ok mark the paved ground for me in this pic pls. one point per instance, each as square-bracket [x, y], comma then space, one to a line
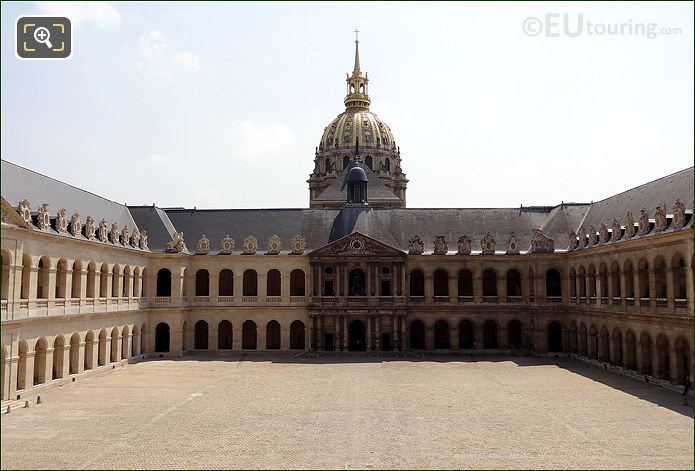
[485, 412]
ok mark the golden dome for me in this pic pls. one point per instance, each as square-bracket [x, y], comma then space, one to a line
[362, 127]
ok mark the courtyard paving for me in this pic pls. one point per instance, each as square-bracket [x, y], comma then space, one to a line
[355, 413]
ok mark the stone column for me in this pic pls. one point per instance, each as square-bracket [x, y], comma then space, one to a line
[236, 333]
[609, 280]
[453, 294]
[262, 288]
[689, 293]
[429, 337]
[9, 391]
[377, 333]
[402, 287]
[369, 333]
[67, 293]
[637, 289]
[345, 333]
[623, 286]
[566, 288]
[368, 287]
[599, 288]
[51, 285]
[66, 360]
[285, 336]
[577, 287]
[319, 342]
[673, 365]
[212, 336]
[429, 287]
[48, 371]
[670, 292]
[214, 287]
[336, 332]
[502, 289]
[453, 336]
[238, 286]
[404, 342]
[525, 288]
[33, 284]
[652, 287]
[285, 288]
[119, 347]
[478, 287]
[394, 332]
[502, 339]
[29, 373]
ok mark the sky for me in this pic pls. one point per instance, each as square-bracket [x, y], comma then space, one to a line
[221, 105]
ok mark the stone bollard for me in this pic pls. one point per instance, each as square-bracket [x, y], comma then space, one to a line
[26, 404]
[38, 399]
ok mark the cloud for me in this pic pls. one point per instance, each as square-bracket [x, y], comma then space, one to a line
[263, 142]
[100, 13]
[158, 158]
[155, 54]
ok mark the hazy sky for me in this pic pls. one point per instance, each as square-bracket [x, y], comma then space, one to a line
[222, 104]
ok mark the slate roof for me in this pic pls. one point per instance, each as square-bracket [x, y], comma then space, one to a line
[18, 183]
[337, 191]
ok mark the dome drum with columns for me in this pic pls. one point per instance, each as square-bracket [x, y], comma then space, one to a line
[359, 128]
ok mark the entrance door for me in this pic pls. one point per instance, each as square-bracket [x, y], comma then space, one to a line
[385, 341]
[357, 336]
[328, 343]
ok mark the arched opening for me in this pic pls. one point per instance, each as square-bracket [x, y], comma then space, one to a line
[368, 161]
[441, 283]
[184, 337]
[531, 285]
[26, 276]
[617, 352]
[490, 335]
[441, 334]
[682, 348]
[297, 335]
[200, 336]
[22, 364]
[164, 283]
[603, 282]
[202, 283]
[555, 337]
[417, 283]
[225, 335]
[465, 282]
[603, 344]
[328, 166]
[387, 165]
[417, 335]
[630, 351]
[226, 283]
[357, 341]
[134, 347]
[297, 282]
[466, 335]
[573, 283]
[5, 279]
[272, 335]
[75, 353]
[582, 282]
[161, 337]
[40, 361]
[58, 347]
[357, 283]
[514, 335]
[593, 342]
[553, 283]
[115, 278]
[489, 282]
[574, 341]
[91, 279]
[645, 341]
[513, 283]
[101, 359]
[592, 281]
[663, 359]
[61, 279]
[629, 280]
[582, 346]
[114, 344]
[125, 335]
[76, 280]
[248, 335]
[678, 269]
[643, 275]
[126, 282]
[42, 280]
[143, 338]
[615, 281]
[104, 281]
[273, 283]
[660, 278]
[250, 283]
[89, 351]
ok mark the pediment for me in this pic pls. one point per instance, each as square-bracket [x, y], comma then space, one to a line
[357, 245]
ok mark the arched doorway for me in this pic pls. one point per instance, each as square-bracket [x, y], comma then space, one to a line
[630, 351]
[646, 353]
[514, 335]
[272, 335]
[682, 361]
[125, 334]
[466, 335]
[617, 357]
[417, 335]
[89, 351]
[114, 344]
[248, 335]
[22, 365]
[357, 341]
[40, 361]
[663, 359]
[75, 353]
[357, 283]
[490, 335]
[224, 335]
[297, 335]
[184, 337]
[101, 358]
[573, 338]
[161, 337]
[603, 347]
[163, 282]
[441, 334]
[200, 340]
[58, 346]
[554, 337]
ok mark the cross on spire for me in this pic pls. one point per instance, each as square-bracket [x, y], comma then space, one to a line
[357, 49]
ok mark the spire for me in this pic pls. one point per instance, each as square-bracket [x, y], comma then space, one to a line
[357, 50]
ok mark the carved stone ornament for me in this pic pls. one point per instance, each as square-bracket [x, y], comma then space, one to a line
[227, 245]
[512, 245]
[629, 225]
[541, 242]
[464, 245]
[602, 233]
[24, 210]
[660, 221]
[617, 233]
[176, 245]
[43, 219]
[574, 241]
[678, 215]
[90, 228]
[143, 241]
[440, 245]
[62, 220]
[298, 245]
[76, 225]
[417, 247]
[203, 246]
[136, 238]
[274, 245]
[487, 245]
[103, 232]
[114, 234]
[593, 238]
[643, 221]
[250, 245]
[125, 236]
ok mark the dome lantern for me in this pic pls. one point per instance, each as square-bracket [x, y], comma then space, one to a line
[357, 98]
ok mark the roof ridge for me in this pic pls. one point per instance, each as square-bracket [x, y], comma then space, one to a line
[643, 184]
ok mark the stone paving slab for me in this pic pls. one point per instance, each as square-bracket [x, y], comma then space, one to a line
[355, 413]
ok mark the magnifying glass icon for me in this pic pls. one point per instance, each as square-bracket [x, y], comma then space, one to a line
[42, 35]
